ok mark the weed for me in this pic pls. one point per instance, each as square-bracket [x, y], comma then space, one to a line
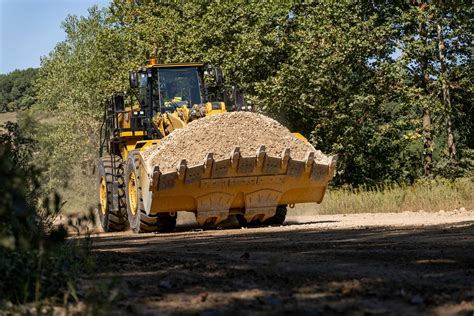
[427, 195]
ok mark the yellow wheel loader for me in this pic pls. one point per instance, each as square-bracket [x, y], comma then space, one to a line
[133, 194]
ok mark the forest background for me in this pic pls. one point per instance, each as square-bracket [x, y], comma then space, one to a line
[386, 87]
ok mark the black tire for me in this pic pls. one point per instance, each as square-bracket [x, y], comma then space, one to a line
[277, 219]
[139, 221]
[110, 220]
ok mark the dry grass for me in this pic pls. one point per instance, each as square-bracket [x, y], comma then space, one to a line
[432, 196]
[80, 195]
[7, 116]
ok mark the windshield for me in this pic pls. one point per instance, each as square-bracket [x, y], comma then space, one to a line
[178, 87]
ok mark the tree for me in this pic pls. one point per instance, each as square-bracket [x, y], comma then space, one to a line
[434, 40]
[16, 90]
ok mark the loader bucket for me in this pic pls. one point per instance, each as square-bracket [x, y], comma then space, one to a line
[253, 186]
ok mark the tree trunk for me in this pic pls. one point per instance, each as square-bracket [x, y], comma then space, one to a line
[428, 159]
[445, 88]
[427, 142]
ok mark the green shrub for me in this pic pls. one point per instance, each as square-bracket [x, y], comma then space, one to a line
[35, 260]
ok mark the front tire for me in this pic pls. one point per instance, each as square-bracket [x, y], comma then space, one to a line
[111, 220]
[140, 221]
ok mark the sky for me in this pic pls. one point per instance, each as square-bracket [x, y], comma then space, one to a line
[30, 29]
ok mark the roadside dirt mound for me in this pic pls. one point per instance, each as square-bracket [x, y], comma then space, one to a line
[220, 134]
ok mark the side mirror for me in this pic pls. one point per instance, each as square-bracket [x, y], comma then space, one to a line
[239, 99]
[133, 78]
[207, 69]
[219, 76]
[119, 102]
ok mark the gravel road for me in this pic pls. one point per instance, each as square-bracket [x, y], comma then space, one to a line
[362, 264]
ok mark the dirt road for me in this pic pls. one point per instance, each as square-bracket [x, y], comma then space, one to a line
[407, 263]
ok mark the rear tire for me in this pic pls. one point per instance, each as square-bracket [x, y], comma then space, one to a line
[277, 219]
[140, 222]
[110, 220]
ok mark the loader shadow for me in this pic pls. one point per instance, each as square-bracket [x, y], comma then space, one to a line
[195, 227]
[297, 223]
[372, 270]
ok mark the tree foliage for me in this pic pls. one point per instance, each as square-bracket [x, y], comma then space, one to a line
[16, 90]
[355, 78]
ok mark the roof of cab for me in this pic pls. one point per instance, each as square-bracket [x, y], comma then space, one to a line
[175, 65]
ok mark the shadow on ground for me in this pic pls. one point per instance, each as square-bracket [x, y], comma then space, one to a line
[292, 269]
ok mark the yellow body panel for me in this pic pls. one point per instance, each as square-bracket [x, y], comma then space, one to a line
[253, 186]
[103, 195]
[132, 134]
[142, 145]
[133, 193]
[215, 108]
[124, 119]
[300, 137]
[132, 144]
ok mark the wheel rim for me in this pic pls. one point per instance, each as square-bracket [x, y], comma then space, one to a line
[103, 195]
[133, 193]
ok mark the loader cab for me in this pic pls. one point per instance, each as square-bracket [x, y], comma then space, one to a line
[163, 88]
[179, 87]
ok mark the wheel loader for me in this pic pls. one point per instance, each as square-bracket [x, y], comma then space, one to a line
[134, 195]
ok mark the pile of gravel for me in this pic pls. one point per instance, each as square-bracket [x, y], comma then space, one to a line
[220, 134]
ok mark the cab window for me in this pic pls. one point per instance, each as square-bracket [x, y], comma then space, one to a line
[143, 86]
[178, 87]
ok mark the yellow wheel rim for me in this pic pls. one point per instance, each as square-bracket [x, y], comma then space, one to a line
[133, 193]
[103, 195]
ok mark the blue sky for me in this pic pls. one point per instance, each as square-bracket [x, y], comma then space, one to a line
[30, 29]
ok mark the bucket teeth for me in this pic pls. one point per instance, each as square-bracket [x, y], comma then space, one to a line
[234, 157]
[261, 169]
[259, 165]
[182, 169]
[285, 158]
[208, 162]
[309, 158]
[155, 177]
[260, 155]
